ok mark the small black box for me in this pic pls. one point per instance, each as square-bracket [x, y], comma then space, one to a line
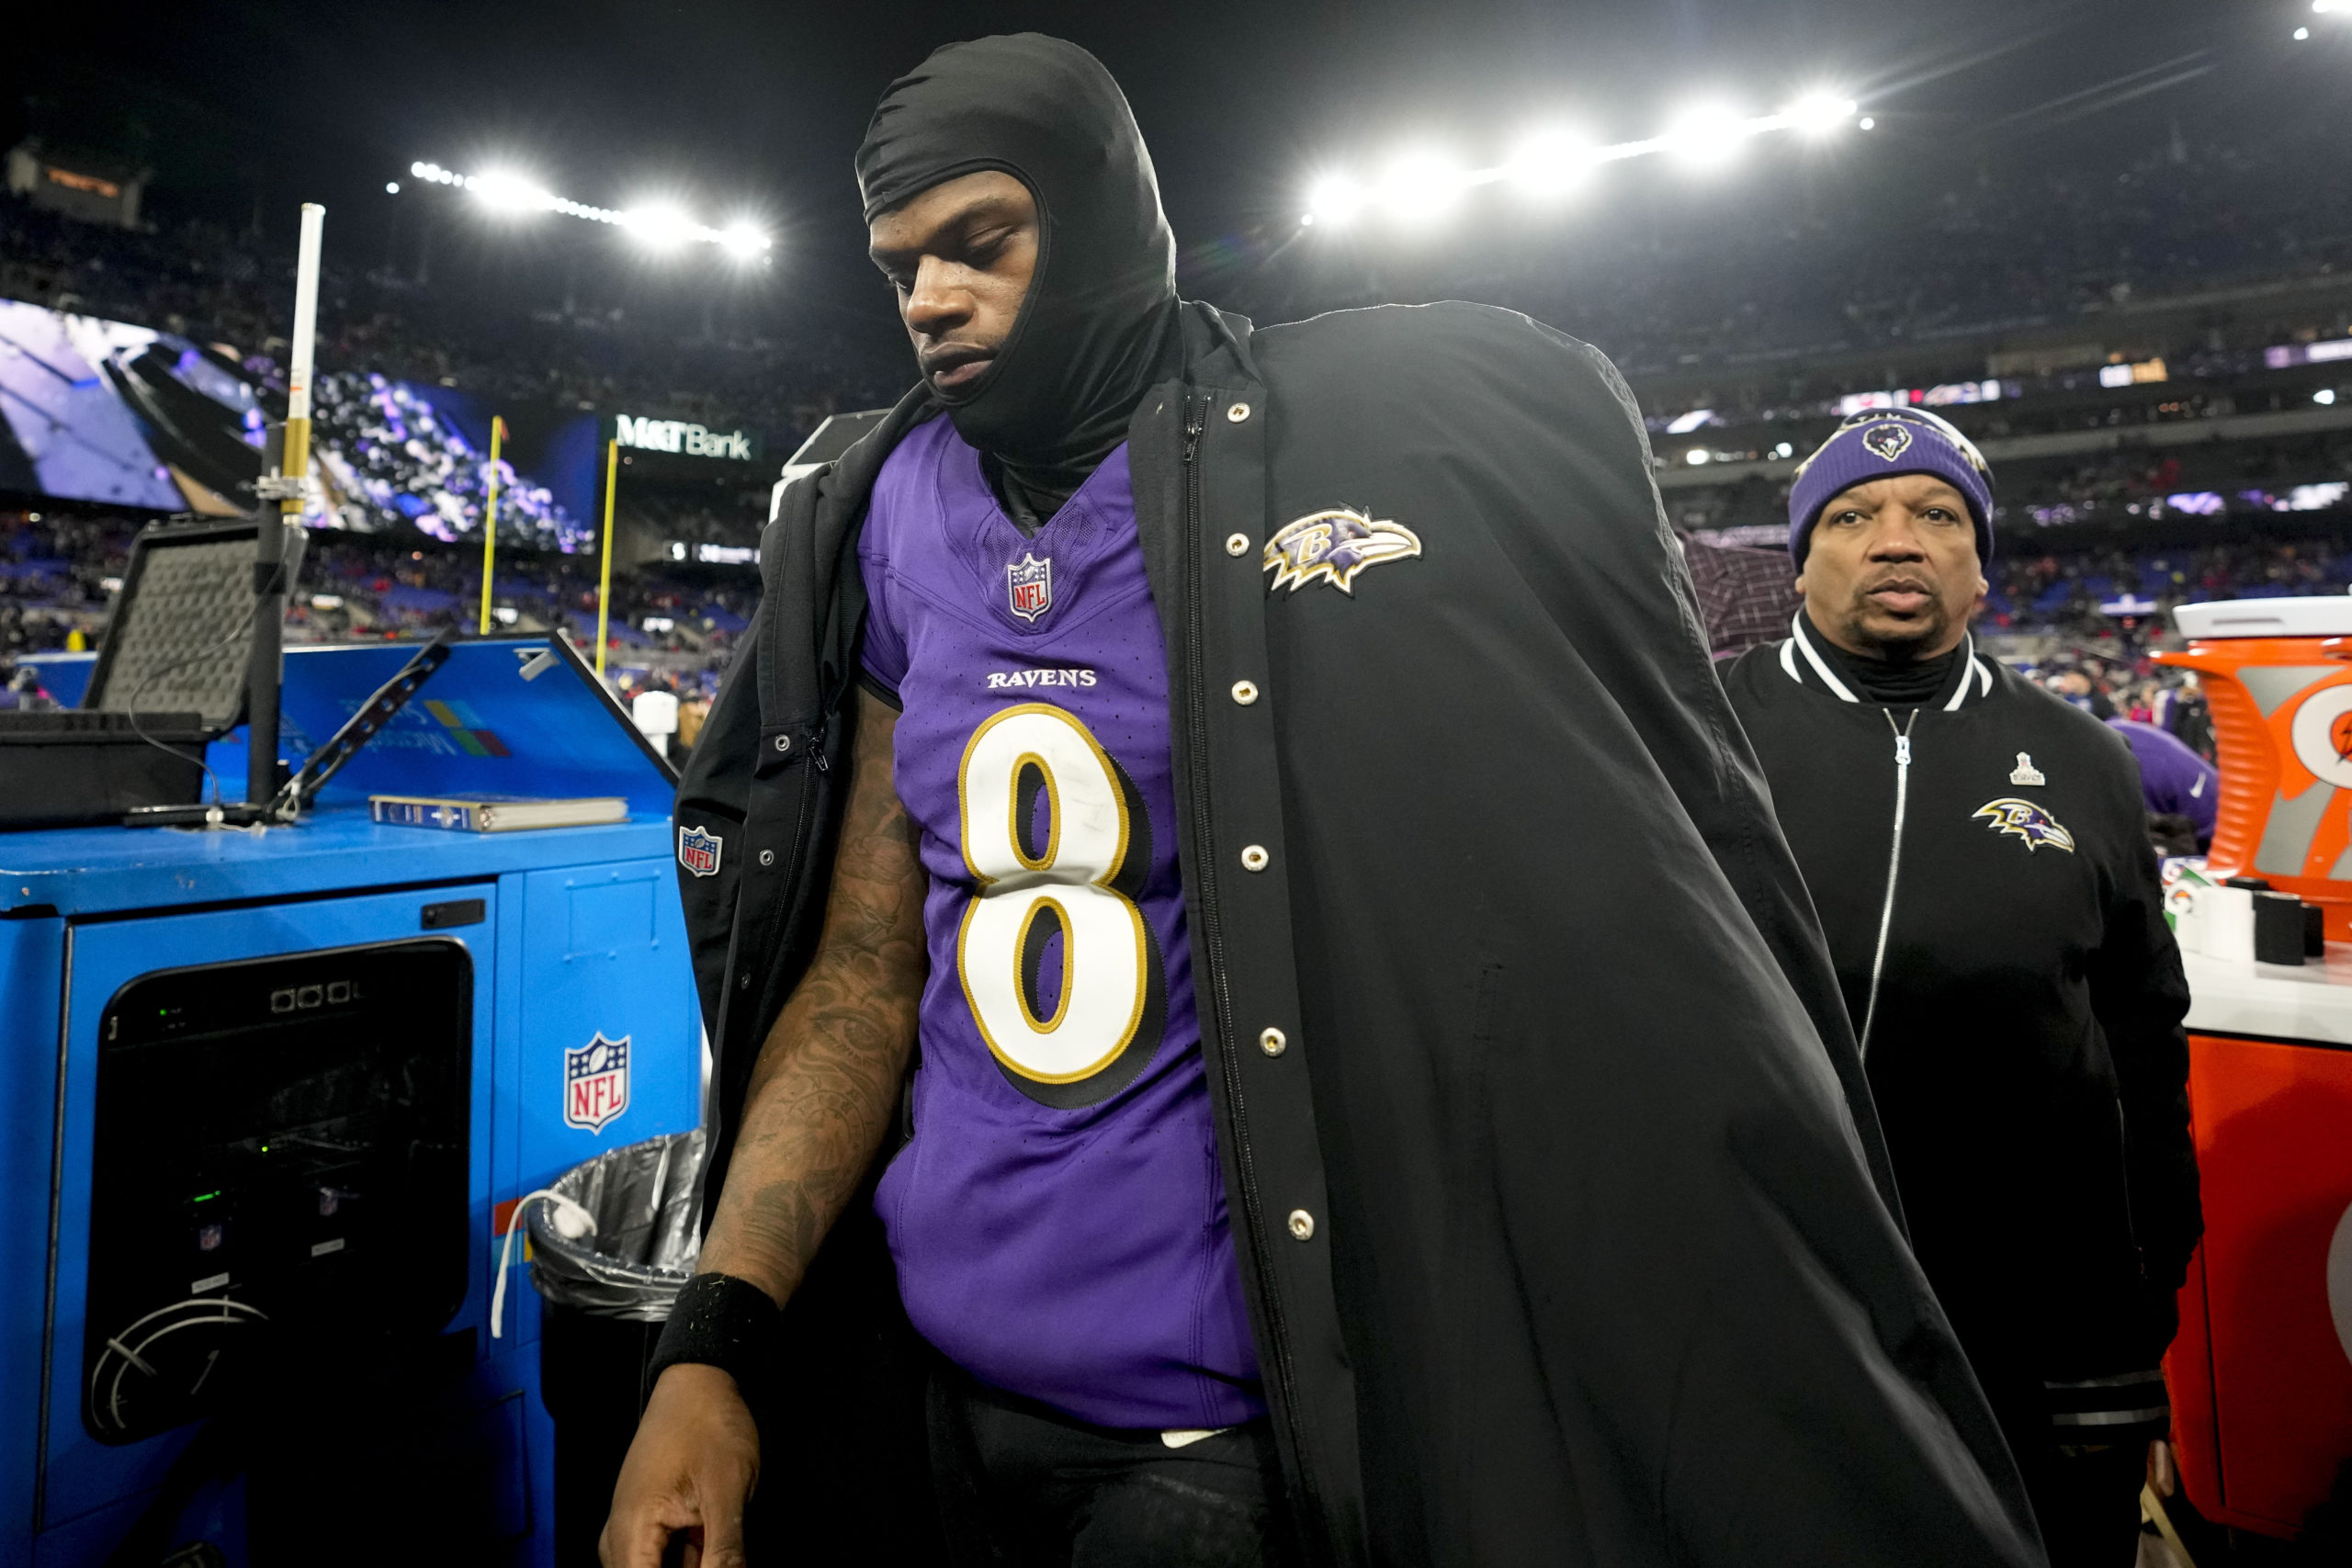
[69, 768]
[2277, 928]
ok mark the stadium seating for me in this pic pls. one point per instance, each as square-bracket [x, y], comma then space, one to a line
[2224, 469]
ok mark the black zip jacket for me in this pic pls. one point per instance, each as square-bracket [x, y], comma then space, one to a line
[1982, 868]
[1559, 1202]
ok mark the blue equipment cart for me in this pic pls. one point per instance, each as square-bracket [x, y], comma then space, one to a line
[268, 1099]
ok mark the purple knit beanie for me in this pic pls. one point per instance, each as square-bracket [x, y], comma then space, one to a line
[1880, 445]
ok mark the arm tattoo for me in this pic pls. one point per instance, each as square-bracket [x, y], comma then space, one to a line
[826, 1084]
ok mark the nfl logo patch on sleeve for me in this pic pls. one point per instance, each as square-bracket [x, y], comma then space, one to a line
[698, 849]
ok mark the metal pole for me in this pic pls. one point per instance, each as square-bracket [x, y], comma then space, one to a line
[605, 580]
[490, 522]
[263, 674]
[298, 380]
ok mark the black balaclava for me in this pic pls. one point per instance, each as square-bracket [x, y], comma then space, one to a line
[1099, 324]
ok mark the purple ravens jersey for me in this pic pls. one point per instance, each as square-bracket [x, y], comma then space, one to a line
[1058, 1221]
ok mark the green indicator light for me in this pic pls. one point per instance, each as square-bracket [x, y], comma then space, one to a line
[207, 1197]
[265, 1148]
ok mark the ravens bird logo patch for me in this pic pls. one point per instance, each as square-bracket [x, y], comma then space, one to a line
[1333, 545]
[1888, 441]
[2028, 821]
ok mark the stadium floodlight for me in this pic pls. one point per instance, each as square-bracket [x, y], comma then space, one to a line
[1819, 112]
[660, 225]
[1697, 456]
[1550, 162]
[1710, 136]
[2301, 34]
[391, 188]
[1335, 199]
[509, 193]
[1425, 185]
[1421, 185]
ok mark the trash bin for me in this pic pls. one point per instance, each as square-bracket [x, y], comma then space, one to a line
[607, 1293]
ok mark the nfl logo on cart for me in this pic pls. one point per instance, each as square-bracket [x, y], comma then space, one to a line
[699, 851]
[1031, 582]
[595, 1083]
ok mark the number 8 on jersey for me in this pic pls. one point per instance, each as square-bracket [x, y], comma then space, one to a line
[1059, 966]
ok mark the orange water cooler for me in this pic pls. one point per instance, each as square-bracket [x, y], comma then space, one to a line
[2261, 1374]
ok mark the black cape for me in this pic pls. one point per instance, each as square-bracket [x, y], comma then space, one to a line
[1605, 1266]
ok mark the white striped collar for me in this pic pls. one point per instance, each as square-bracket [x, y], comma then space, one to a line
[1979, 676]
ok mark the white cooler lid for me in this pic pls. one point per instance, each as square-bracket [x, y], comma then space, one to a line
[2317, 616]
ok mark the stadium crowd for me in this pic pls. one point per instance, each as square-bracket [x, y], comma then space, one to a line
[1771, 369]
[1858, 262]
[2099, 611]
[202, 282]
[59, 572]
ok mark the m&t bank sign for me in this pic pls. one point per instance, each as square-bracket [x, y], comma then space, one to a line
[684, 438]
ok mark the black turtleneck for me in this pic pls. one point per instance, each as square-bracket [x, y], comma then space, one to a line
[1896, 684]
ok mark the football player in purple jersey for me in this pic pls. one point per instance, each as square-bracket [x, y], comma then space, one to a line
[1377, 1091]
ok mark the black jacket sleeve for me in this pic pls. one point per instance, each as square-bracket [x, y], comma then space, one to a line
[714, 798]
[2140, 996]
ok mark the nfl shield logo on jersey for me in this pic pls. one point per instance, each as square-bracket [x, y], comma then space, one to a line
[1031, 582]
[595, 1083]
[698, 849]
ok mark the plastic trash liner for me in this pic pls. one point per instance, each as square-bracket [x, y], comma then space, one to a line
[646, 1200]
[606, 1293]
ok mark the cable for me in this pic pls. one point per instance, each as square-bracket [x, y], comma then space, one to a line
[132, 1354]
[567, 1209]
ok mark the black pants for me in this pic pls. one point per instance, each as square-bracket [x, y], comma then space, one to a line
[2088, 1504]
[1021, 1487]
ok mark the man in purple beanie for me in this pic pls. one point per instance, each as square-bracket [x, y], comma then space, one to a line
[1979, 856]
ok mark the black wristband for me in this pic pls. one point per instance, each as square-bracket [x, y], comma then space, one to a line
[718, 1321]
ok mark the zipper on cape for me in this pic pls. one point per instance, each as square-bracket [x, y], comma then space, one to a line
[1894, 867]
[1209, 946]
